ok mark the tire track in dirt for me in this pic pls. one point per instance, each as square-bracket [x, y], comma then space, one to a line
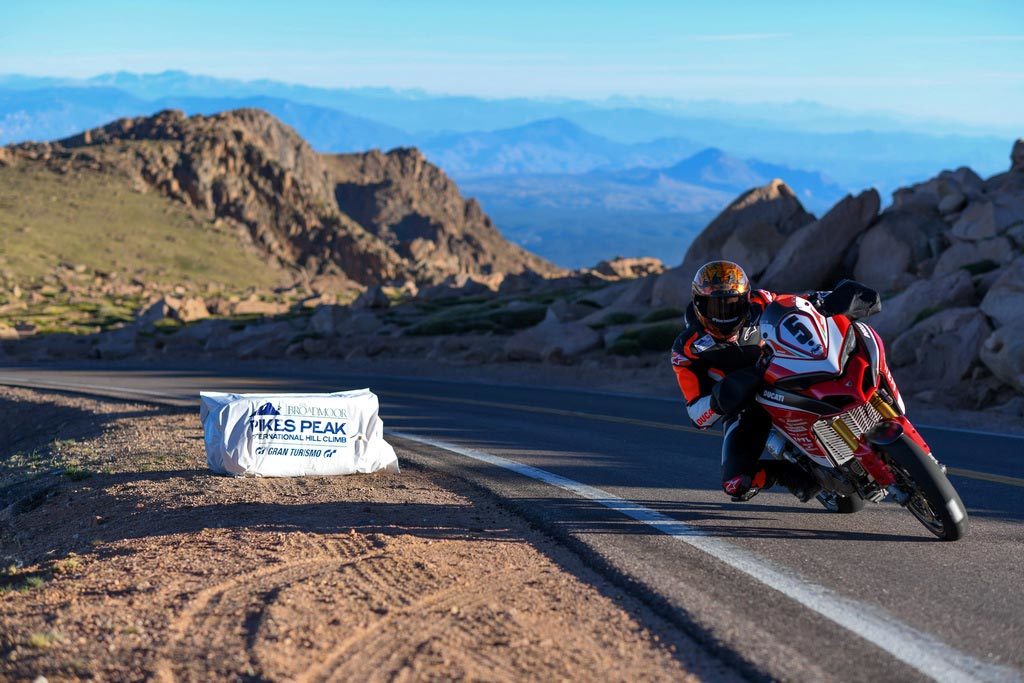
[218, 609]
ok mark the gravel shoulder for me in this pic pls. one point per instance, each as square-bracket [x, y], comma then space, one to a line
[124, 559]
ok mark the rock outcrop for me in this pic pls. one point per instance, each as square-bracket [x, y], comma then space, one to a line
[948, 256]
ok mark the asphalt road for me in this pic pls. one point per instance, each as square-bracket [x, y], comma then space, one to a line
[786, 589]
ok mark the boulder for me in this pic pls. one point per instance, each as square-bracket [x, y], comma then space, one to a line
[882, 258]
[606, 296]
[563, 309]
[257, 307]
[268, 340]
[636, 293]
[373, 297]
[1004, 301]
[753, 245]
[952, 202]
[463, 285]
[774, 204]
[552, 340]
[938, 352]
[965, 181]
[672, 288]
[326, 320]
[189, 309]
[977, 222]
[1008, 210]
[360, 323]
[118, 343]
[964, 254]
[901, 243]
[1003, 354]
[8, 332]
[154, 313]
[901, 311]
[622, 268]
[1017, 155]
[812, 253]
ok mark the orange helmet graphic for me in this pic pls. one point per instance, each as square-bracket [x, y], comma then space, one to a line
[721, 298]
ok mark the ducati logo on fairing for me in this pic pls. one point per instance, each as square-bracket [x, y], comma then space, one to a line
[773, 396]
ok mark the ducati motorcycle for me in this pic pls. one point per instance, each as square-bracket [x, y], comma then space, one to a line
[837, 413]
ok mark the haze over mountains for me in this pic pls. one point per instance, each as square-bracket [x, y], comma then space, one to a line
[575, 181]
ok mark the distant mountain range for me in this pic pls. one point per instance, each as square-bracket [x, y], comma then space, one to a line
[573, 218]
[534, 161]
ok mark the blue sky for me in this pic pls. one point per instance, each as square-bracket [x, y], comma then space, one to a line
[938, 59]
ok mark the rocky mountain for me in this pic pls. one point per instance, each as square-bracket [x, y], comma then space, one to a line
[247, 168]
[417, 211]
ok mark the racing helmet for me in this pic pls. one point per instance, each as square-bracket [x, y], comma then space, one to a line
[721, 298]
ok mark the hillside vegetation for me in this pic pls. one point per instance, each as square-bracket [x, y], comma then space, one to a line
[99, 221]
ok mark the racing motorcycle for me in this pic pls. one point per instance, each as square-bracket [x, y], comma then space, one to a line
[837, 413]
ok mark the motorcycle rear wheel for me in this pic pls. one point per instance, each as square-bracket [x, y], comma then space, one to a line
[933, 500]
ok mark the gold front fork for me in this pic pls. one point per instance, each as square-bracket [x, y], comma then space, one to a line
[883, 408]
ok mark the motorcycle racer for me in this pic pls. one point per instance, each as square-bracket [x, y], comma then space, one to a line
[718, 360]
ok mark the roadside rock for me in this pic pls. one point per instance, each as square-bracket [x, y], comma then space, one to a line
[814, 251]
[551, 340]
[257, 307]
[672, 288]
[1004, 302]
[939, 352]
[977, 222]
[373, 297]
[7, 332]
[189, 309]
[753, 245]
[899, 312]
[360, 323]
[117, 343]
[774, 204]
[952, 202]
[1003, 354]
[962, 254]
[327, 320]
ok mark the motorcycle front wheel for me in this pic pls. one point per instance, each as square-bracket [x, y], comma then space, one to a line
[838, 503]
[933, 500]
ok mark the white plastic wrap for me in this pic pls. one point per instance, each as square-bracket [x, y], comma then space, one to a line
[291, 435]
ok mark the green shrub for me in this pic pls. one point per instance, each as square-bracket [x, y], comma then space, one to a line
[480, 318]
[925, 313]
[659, 314]
[981, 267]
[625, 347]
[76, 473]
[618, 318]
[657, 337]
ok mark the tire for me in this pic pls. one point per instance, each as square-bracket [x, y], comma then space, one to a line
[934, 501]
[840, 504]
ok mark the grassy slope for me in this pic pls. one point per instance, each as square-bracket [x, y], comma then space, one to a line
[95, 219]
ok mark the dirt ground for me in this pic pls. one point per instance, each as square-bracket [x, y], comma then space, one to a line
[124, 559]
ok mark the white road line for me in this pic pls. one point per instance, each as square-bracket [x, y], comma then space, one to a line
[923, 652]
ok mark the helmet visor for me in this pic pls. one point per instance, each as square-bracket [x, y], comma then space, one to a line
[724, 313]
